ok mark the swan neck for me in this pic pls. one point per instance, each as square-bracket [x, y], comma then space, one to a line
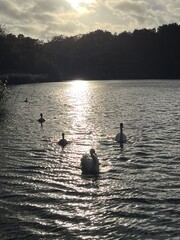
[121, 130]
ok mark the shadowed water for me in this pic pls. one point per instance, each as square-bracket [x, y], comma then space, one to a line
[43, 194]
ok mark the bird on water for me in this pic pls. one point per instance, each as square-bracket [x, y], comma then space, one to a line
[121, 137]
[90, 163]
[41, 119]
[63, 142]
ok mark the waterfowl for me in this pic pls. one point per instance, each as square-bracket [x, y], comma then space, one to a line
[63, 142]
[26, 100]
[121, 137]
[90, 164]
[41, 119]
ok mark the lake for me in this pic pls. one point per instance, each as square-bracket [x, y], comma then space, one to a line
[136, 195]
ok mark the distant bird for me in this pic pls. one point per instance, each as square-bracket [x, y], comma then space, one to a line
[90, 163]
[41, 119]
[26, 100]
[121, 137]
[63, 142]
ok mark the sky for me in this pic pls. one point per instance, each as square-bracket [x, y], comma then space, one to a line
[44, 19]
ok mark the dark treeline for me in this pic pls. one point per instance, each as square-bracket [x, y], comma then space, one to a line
[141, 54]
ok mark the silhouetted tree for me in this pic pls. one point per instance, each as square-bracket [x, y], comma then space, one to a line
[143, 53]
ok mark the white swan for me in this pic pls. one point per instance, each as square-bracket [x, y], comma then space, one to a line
[121, 137]
[41, 119]
[63, 141]
[90, 164]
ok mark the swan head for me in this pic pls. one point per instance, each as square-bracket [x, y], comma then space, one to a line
[63, 135]
[121, 125]
[41, 115]
[92, 151]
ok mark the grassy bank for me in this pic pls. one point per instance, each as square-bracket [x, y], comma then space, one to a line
[23, 78]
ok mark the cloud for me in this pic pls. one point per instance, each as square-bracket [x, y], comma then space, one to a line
[11, 10]
[130, 6]
[137, 14]
[36, 17]
[44, 19]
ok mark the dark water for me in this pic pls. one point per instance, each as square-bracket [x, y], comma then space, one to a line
[43, 194]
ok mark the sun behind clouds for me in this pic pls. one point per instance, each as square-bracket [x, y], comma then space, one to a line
[80, 5]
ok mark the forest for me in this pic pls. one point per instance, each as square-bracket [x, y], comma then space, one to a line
[99, 55]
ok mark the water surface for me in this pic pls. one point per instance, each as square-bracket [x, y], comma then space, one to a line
[43, 194]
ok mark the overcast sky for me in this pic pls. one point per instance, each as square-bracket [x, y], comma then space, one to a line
[43, 19]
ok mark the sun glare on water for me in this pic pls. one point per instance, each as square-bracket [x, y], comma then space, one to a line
[78, 99]
[80, 5]
[79, 86]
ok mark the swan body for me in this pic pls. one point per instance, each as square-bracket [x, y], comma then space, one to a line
[121, 137]
[41, 119]
[90, 163]
[63, 142]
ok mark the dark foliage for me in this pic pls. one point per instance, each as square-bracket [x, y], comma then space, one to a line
[144, 53]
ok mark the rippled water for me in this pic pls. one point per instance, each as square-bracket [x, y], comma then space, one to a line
[43, 194]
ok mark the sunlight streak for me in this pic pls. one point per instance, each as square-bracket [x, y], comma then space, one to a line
[79, 95]
[79, 101]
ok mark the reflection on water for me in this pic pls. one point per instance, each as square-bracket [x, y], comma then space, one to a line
[43, 192]
[78, 98]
